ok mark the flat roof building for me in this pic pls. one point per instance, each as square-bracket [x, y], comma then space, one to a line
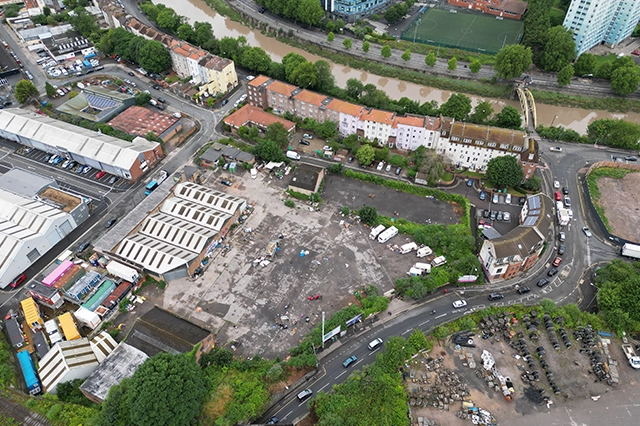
[95, 103]
[306, 179]
[139, 121]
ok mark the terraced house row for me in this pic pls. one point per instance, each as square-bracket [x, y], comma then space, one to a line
[465, 145]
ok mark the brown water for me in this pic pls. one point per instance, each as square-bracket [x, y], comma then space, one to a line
[197, 10]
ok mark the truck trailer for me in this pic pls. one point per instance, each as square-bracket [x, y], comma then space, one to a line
[631, 250]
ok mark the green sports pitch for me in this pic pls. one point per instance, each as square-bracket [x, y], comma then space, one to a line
[468, 31]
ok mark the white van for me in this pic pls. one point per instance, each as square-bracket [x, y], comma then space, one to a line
[438, 261]
[424, 252]
[425, 267]
[387, 235]
[415, 272]
[407, 248]
[254, 173]
[293, 155]
[53, 331]
[374, 344]
[376, 231]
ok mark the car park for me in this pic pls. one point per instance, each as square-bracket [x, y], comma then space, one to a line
[561, 236]
[459, 304]
[523, 290]
[557, 261]
[305, 394]
[483, 195]
[565, 190]
[552, 272]
[388, 169]
[495, 296]
[374, 344]
[347, 362]
[543, 282]
[17, 281]
[556, 184]
[561, 249]
[100, 174]
[587, 232]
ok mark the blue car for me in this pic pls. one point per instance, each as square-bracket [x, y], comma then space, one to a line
[349, 361]
[483, 195]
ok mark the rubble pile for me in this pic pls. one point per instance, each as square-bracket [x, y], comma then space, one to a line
[477, 415]
[496, 326]
[446, 387]
[551, 332]
[592, 347]
[423, 421]
[492, 376]
[531, 323]
[563, 332]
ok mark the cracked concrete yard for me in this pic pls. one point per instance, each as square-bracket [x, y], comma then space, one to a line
[241, 302]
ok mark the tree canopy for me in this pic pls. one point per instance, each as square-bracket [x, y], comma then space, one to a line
[618, 296]
[615, 133]
[508, 118]
[565, 74]
[458, 106]
[560, 49]
[624, 81]
[505, 171]
[25, 91]
[165, 390]
[368, 214]
[365, 155]
[537, 23]
[511, 61]
[585, 64]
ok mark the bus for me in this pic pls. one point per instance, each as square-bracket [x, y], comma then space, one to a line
[150, 187]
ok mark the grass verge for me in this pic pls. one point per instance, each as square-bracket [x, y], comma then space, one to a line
[594, 191]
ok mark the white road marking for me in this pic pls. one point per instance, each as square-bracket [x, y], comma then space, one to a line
[440, 316]
[339, 375]
[408, 331]
[321, 389]
[423, 323]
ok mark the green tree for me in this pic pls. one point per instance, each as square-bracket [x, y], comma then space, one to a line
[418, 340]
[211, 102]
[481, 113]
[452, 64]
[624, 81]
[505, 171]
[604, 70]
[83, 22]
[256, 60]
[11, 10]
[475, 66]
[458, 106]
[309, 12]
[534, 184]
[614, 133]
[560, 49]
[268, 151]
[406, 55]
[169, 20]
[537, 23]
[366, 46]
[291, 62]
[326, 81]
[277, 133]
[331, 36]
[142, 98]
[327, 129]
[25, 91]
[150, 10]
[46, 11]
[368, 214]
[511, 61]
[347, 43]
[382, 154]
[622, 62]
[220, 357]
[70, 392]
[305, 75]
[51, 91]
[585, 64]
[386, 51]
[430, 59]
[565, 74]
[354, 88]
[167, 389]
[186, 32]
[365, 155]
[509, 118]
[154, 57]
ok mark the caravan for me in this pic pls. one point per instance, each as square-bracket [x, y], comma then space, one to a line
[424, 252]
[387, 235]
[438, 261]
[407, 248]
[425, 267]
[415, 272]
[376, 231]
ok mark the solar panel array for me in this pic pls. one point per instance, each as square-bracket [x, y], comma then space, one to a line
[98, 102]
[534, 211]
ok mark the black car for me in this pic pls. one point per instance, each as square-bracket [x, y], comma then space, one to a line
[543, 282]
[131, 73]
[486, 213]
[631, 158]
[226, 182]
[262, 9]
[111, 223]
[273, 420]
[522, 200]
[565, 190]
[523, 290]
[561, 249]
[304, 142]
[350, 160]
[552, 272]
[161, 100]
[84, 246]
[225, 101]
[496, 296]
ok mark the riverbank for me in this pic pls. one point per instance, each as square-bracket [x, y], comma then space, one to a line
[415, 71]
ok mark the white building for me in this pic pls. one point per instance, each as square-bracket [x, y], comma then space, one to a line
[601, 21]
[375, 125]
[348, 116]
[412, 131]
[34, 216]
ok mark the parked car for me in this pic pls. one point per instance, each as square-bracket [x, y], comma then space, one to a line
[557, 261]
[350, 160]
[388, 169]
[307, 136]
[495, 296]
[552, 272]
[113, 180]
[304, 142]
[65, 164]
[543, 282]
[499, 217]
[493, 215]
[523, 290]
[558, 196]
[111, 222]
[567, 201]
[86, 169]
[565, 190]
[562, 236]
[483, 195]
[555, 149]
[131, 74]
[161, 100]
[508, 199]
[398, 170]
[587, 232]
[84, 246]
[506, 217]
[561, 249]
[349, 361]
[469, 182]
[495, 198]
[226, 182]
[459, 304]
[100, 174]
[486, 213]
[18, 280]
[327, 148]
[380, 166]
[631, 158]
[556, 184]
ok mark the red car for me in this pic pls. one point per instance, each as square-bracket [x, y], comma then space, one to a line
[15, 283]
[100, 174]
[557, 261]
[558, 196]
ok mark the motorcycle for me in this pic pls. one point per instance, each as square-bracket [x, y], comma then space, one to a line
[433, 312]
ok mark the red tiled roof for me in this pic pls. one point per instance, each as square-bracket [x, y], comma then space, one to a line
[377, 116]
[249, 113]
[139, 121]
[310, 97]
[345, 107]
[409, 121]
[282, 88]
[259, 80]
